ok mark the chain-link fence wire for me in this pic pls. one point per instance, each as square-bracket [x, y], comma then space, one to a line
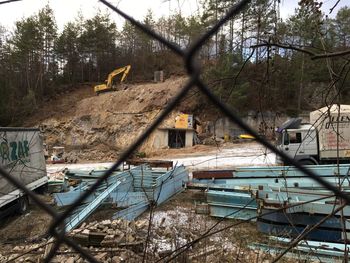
[8, 1]
[56, 228]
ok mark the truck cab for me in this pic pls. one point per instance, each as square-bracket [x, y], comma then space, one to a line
[300, 143]
[325, 141]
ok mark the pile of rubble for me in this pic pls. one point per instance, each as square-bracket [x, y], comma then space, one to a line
[36, 253]
[120, 240]
[113, 241]
[107, 240]
[112, 233]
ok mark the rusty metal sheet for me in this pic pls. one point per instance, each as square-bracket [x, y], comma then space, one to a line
[217, 174]
[151, 163]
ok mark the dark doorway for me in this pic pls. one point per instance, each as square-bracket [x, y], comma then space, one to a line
[176, 139]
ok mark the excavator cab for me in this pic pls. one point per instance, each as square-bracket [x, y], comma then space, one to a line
[108, 85]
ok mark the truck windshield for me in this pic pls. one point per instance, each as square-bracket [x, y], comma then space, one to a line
[286, 138]
[294, 137]
[279, 138]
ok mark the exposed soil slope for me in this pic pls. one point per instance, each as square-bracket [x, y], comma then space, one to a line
[60, 106]
[99, 127]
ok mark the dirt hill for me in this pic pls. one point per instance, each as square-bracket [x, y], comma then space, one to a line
[99, 127]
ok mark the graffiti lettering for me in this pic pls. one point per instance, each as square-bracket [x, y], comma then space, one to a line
[12, 151]
[4, 151]
[13, 146]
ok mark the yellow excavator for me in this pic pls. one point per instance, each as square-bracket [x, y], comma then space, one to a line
[108, 85]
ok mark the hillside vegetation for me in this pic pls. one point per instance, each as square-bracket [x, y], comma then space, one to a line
[256, 61]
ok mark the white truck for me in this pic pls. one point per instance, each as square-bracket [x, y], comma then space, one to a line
[325, 140]
[22, 156]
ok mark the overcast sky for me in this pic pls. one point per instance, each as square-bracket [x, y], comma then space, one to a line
[67, 10]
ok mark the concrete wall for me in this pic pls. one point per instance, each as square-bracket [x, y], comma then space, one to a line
[160, 139]
[189, 138]
[262, 123]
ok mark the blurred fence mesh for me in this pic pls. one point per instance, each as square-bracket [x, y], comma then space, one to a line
[56, 229]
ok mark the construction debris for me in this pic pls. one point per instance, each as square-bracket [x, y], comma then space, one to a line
[283, 201]
[172, 226]
[131, 192]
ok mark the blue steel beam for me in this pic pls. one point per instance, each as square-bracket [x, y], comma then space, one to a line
[170, 184]
[125, 199]
[316, 247]
[88, 209]
[68, 198]
[133, 188]
[132, 212]
[296, 254]
[276, 171]
[232, 211]
[237, 205]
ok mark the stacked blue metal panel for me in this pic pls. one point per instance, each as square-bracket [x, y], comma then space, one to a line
[134, 190]
[266, 192]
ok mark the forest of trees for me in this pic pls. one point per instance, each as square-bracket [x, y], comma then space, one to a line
[256, 61]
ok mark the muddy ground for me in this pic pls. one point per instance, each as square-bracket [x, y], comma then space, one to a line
[174, 224]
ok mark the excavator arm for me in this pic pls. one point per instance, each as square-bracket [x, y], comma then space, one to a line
[116, 72]
[108, 86]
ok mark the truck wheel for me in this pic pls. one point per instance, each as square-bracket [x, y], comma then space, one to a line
[306, 162]
[23, 205]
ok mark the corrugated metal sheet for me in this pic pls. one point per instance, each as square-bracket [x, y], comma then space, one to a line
[133, 189]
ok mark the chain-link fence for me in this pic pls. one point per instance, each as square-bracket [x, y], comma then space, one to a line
[56, 228]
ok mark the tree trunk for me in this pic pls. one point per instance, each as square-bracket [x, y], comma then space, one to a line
[301, 85]
[242, 34]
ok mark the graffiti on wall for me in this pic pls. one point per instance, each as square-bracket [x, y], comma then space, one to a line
[11, 151]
